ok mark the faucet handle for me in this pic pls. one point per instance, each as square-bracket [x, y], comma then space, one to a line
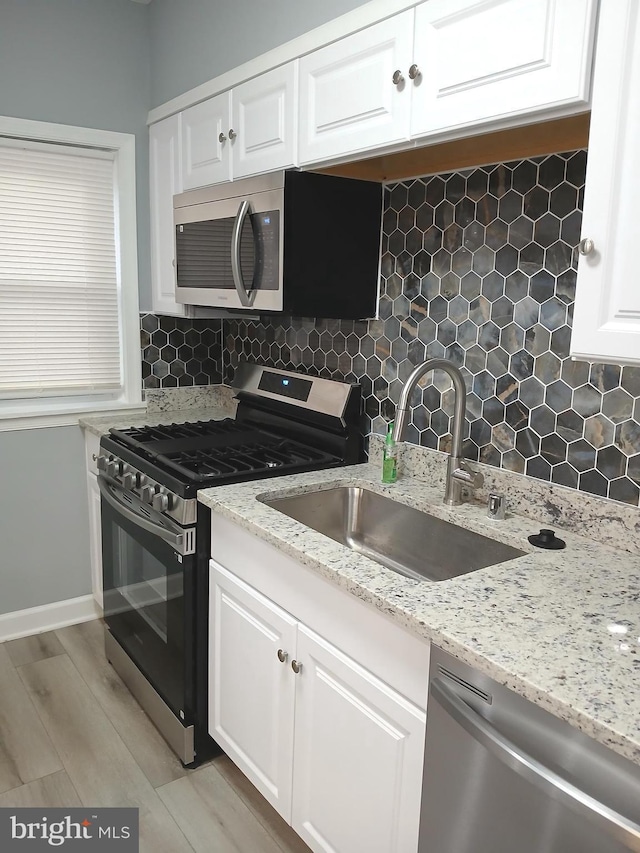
[467, 475]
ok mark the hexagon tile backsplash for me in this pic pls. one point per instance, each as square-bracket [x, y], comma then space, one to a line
[178, 353]
[479, 267]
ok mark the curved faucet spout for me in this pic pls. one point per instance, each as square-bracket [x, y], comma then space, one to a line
[458, 473]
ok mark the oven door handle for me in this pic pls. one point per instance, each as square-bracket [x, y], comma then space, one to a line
[110, 494]
[246, 298]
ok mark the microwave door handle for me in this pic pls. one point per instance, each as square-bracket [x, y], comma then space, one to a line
[245, 297]
[544, 778]
[109, 493]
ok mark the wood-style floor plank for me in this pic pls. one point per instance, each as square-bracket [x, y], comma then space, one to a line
[36, 647]
[26, 752]
[85, 646]
[288, 840]
[99, 765]
[213, 817]
[54, 791]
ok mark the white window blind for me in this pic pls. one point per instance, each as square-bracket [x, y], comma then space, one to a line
[60, 330]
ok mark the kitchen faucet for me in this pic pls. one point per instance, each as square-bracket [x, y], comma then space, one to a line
[458, 472]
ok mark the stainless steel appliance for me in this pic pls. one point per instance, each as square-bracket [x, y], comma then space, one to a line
[303, 243]
[156, 537]
[503, 775]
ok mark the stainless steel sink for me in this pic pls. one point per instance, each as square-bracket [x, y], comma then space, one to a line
[404, 539]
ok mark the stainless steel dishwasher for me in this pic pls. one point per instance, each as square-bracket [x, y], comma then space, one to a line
[502, 775]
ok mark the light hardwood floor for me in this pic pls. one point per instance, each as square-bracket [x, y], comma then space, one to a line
[71, 734]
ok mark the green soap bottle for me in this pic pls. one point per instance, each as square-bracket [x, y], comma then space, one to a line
[390, 457]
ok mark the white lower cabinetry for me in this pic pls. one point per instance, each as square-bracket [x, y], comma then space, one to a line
[358, 755]
[251, 699]
[320, 731]
[92, 449]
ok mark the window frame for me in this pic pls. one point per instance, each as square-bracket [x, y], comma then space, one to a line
[45, 412]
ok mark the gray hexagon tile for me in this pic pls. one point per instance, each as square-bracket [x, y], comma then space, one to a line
[477, 266]
[178, 353]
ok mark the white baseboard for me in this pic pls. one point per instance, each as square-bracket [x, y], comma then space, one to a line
[48, 617]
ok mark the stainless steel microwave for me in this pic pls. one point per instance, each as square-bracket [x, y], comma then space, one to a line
[297, 242]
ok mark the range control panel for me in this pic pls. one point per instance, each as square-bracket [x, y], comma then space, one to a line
[147, 490]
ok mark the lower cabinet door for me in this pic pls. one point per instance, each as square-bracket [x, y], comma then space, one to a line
[358, 756]
[95, 538]
[252, 684]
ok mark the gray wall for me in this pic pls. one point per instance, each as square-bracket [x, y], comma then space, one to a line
[44, 538]
[86, 63]
[193, 41]
[80, 62]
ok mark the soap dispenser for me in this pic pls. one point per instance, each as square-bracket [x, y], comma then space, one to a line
[390, 457]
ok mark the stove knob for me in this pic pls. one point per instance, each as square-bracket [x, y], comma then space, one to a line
[114, 468]
[131, 481]
[161, 502]
[101, 463]
[147, 494]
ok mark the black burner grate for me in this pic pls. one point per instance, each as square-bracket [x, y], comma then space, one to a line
[222, 451]
[266, 456]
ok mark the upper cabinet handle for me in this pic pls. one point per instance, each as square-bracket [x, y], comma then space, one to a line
[232, 134]
[414, 72]
[222, 138]
[586, 246]
[397, 77]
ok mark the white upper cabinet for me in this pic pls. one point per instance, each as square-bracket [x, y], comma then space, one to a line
[264, 122]
[606, 325]
[487, 60]
[165, 181]
[349, 101]
[446, 66]
[205, 139]
[246, 131]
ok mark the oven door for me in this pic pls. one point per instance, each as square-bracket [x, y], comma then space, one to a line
[148, 583]
[229, 253]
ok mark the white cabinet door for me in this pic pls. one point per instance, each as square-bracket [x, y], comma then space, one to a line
[165, 181]
[91, 452]
[205, 142]
[348, 100]
[264, 119]
[251, 691]
[358, 756]
[485, 61]
[606, 324]
[95, 538]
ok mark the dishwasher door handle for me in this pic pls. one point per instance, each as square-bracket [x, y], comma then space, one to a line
[529, 768]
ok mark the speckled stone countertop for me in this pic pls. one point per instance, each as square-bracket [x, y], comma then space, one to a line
[562, 628]
[169, 407]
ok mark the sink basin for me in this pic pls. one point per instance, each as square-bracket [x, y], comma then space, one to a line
[402, 538]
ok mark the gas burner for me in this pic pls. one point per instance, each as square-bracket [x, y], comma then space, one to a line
[261, 457]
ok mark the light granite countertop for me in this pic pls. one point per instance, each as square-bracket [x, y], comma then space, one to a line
[170, 406]
[562, 628]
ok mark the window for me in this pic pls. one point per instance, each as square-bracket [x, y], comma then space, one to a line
[69, 339]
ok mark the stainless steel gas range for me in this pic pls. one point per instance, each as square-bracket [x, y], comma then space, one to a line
[155, 535]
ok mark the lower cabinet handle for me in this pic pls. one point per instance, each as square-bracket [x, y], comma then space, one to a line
[282, 656]
[296, 667]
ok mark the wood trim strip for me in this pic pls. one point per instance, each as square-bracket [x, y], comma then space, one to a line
[548, 137]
